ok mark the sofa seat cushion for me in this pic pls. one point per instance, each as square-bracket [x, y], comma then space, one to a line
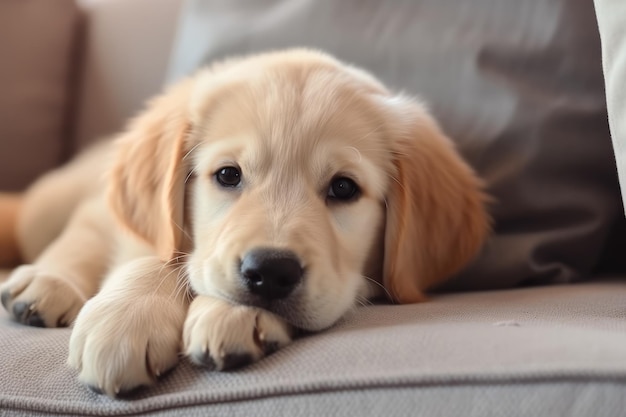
[516, 352]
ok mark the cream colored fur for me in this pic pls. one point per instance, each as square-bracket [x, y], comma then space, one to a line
[149, 251]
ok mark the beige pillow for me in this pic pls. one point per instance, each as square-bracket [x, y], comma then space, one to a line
[37, 51]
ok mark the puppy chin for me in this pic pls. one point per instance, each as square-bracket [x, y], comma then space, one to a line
[293, 309]
[301, 312]
[302, 318]
[298, 309]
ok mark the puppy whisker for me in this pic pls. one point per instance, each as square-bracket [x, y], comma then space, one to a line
[192, 150]
[167, 264]
[191, 173]
[363, 301]
[378, 284]
[182, 286]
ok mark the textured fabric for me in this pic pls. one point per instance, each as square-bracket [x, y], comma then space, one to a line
[612, 21]
[517, 84]
[559, 348]
[599, 399]
[37, 48]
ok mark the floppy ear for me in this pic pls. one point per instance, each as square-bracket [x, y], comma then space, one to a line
[146, 183]
[436, 216]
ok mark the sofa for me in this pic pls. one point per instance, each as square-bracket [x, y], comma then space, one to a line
[536, 325]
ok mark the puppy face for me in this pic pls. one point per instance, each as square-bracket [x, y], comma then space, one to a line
[290, 160]
[308, 187]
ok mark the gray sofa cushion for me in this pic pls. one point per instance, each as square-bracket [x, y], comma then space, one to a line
[38, 55]
[543, 351]
[518, 85]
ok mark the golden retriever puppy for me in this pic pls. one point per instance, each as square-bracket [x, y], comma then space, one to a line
[261, 195]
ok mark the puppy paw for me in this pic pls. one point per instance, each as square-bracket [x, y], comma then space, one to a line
[220, 335]
[122, 342]
[36, 297]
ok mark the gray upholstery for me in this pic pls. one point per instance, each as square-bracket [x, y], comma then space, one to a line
[547, 351]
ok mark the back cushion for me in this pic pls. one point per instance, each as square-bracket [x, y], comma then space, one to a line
[517, 84]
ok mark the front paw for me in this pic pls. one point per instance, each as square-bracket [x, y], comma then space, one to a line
[221, 335]
[36, 297]
[121, 342]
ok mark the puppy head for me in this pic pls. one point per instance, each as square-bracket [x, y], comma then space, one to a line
[309, 187]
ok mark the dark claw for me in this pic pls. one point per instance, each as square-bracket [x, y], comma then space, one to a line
[270, 347]
[25, 315]
[237, 360]
[165, 373]
[21, 311]
[34, 320]
[204, 359]
[124, 394]
[61, 322]
[5, 298]
[95, 389]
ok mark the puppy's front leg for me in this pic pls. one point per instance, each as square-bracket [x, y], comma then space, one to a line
[50, 292]
[130, 332]
[222, 335]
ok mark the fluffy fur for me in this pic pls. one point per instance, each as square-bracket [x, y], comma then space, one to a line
[149, 259]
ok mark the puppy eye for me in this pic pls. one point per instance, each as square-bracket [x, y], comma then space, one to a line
[343, 189]
[228, 176]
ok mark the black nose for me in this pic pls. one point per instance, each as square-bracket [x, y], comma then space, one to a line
[271, 273]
